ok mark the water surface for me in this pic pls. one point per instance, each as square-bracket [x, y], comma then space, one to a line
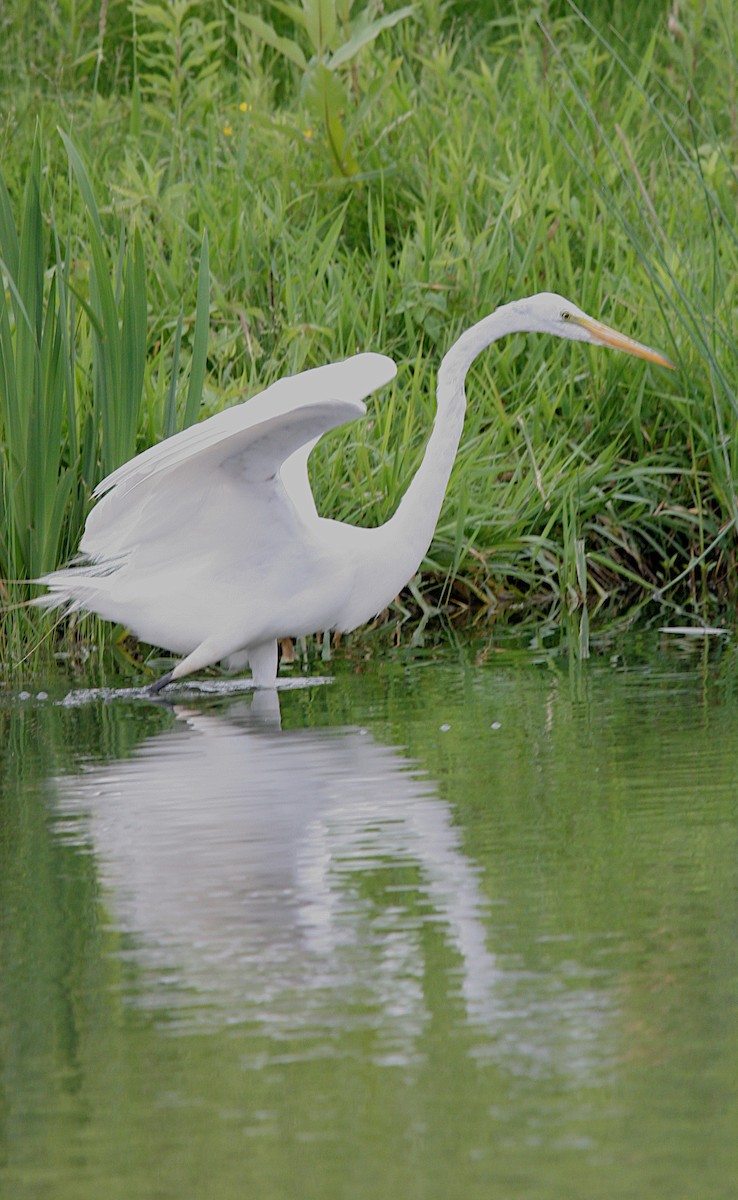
[447, 927]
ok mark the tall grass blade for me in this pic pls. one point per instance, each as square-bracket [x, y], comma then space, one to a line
[200, 337]
[119, 339]
[170, 408]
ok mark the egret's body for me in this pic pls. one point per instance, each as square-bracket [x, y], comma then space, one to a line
[209, 544]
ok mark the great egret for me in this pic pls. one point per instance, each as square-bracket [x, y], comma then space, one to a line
[210, 544]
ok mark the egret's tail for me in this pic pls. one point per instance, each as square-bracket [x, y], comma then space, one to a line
[77, 588]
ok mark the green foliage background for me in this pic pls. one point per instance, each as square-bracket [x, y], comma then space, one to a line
[199, 198]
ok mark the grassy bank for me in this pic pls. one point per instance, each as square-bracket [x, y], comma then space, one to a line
[200, 198]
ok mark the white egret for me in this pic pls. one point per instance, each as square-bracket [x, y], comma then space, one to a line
[209, 544]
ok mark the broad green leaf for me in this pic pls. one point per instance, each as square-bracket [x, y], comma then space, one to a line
[344, 159]
[28, 287]
[283, 45]
[9, 420]
[293, 11]
[320, 23]
[366, 34]
[133, 345]
[83, 180]
[9, 249]
[200, 339]
[56, 521]
[69, 350]
[170, 408]
[134, 121]
[324, 94]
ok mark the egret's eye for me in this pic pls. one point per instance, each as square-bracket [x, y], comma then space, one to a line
[565, 315]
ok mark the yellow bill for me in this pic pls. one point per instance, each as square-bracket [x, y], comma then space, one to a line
[606, 336]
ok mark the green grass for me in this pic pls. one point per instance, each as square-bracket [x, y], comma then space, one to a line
[189, 212]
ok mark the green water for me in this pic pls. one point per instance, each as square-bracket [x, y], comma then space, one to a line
[446, 928]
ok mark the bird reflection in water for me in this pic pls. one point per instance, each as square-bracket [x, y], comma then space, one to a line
[283, 876]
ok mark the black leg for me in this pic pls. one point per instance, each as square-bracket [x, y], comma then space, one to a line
[155, 687]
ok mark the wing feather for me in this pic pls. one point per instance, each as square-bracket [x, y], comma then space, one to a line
[163, 488]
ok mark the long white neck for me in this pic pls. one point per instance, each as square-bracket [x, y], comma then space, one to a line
[392, 554]
[413, 524]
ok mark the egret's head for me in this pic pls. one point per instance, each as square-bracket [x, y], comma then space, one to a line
[550, 313]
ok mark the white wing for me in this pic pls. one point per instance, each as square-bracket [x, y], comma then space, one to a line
[262, 446]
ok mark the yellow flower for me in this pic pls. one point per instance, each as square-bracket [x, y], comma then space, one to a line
[307, 134]
[245, 106]
[227, 130]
